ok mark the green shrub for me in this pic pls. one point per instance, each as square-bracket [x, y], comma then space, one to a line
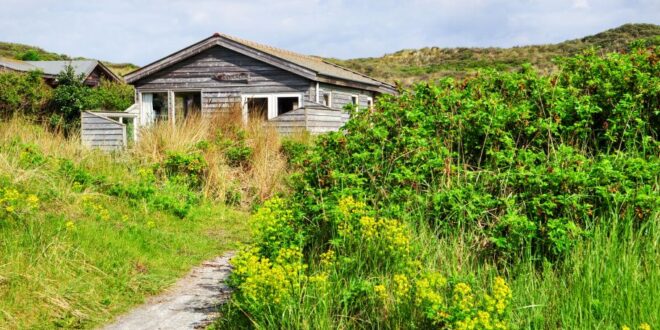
[527, 161]
[294, 151]
[238, 155]
[110, 96]
[188, 168]
[23, 93]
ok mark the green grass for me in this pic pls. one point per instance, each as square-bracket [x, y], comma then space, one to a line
[609, 280]
[82, 256]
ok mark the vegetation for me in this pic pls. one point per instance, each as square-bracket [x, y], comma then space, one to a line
[26, 94]
[508, 199]
[86, 235]
[72, 96]
[414, 65]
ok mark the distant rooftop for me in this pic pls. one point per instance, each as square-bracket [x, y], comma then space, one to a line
[50, 68]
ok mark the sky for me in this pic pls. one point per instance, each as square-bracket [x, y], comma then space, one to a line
[142, 31]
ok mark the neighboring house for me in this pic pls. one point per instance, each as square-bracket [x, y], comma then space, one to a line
[92, 70]
[292, 91]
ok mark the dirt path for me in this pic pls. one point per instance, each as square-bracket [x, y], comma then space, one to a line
[190, 304]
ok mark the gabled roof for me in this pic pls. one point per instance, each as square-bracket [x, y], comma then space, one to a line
[53, 68]
[311, 67]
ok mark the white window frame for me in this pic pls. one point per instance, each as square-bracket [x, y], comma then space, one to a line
[370, 102]
[272, 102]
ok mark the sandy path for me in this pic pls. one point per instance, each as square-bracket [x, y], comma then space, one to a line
[190, 304]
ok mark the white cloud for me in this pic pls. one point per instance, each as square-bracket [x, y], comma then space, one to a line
[581, 4]
[143, 31]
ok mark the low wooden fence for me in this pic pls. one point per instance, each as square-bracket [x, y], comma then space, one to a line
[106, 130]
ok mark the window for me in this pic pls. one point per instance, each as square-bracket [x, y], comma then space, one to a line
[257, 108]
[354, 100]
[286, 104]
[269, 106]
[370, 102]
[327, 99]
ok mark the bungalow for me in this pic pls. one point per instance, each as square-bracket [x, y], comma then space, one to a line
[290, 90]
[92, 70]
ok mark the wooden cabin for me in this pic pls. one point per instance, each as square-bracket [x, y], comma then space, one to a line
[289, 90]
[92, 70]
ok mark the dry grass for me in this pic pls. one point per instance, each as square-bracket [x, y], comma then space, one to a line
[259, 179]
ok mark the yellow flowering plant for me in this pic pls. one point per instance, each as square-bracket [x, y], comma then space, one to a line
[16, 205]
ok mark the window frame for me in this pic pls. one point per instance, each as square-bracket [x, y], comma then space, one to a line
[272, 102]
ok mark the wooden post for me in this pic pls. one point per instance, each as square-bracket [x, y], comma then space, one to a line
[171, 111]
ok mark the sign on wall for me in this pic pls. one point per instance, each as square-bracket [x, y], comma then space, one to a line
[233, 76]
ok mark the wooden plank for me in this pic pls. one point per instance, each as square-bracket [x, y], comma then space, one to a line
[111, 130]
[310, 118]
[97, 120]
[114, 137]
[87, 126]
[96, 143]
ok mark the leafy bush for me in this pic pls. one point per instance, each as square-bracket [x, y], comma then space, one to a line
[110, 96]
[23, 93]
[188, 168]
[238, 155]
[236, 150]
[528, 161]
[295, 151]
[526, 165]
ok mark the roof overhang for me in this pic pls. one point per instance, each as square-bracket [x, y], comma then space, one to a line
[220, 40]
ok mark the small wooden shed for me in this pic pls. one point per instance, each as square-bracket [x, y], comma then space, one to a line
[107, 130]
[292, 91]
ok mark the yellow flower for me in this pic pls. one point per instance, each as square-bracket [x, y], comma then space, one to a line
[463, 297]
[381, 292]
[502, 294]
[401, 285]
[484, 320]
[70, 225]
[644, 326]
[32, 199]
[10, 209]
[625, 327]
[151, 224]
[327, 258]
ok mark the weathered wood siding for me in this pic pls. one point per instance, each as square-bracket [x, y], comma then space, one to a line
[101, 132]
[198, 73]
[341, 96]
[315, 121]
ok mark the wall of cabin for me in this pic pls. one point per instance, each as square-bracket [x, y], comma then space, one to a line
[341, 96]
[222, 76]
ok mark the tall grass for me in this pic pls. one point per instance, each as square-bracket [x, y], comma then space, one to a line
[608, 280]
[83, 253]
[260, 178]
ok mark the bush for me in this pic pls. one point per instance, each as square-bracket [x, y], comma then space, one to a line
[524, 166]
[529, 162]
[23, 93]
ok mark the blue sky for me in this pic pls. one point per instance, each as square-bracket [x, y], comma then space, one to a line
[141, 31]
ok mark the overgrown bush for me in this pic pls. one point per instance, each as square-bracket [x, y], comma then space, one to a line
[526, 160]
[524, 165]
[23, 93]
[28, 95]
